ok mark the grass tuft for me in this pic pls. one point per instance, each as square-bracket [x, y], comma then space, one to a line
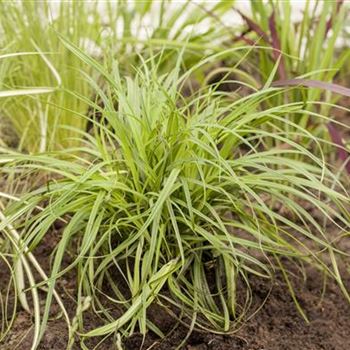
[174, 198]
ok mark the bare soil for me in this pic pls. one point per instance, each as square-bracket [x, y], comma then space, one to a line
[278, 326]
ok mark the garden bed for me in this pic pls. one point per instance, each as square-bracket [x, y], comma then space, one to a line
[276, 326]
[188, 191]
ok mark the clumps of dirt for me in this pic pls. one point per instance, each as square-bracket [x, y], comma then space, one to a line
[21, 334]
[278, 325]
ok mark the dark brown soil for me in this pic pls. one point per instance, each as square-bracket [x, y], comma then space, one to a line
[278, 326]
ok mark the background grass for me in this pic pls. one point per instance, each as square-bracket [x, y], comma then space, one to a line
[106, 30]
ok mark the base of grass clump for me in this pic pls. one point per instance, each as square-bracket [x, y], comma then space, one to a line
[276, 326]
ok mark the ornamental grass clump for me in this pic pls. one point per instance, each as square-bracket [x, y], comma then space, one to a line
[173, 199]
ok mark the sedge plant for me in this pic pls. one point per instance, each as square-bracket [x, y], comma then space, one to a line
[173, 200]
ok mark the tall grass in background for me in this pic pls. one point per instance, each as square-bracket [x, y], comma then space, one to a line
[171, 189]
[11, 250]
[309, 41]
[26, 26]
[29, 91]
[310, 53]
[122, 29]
